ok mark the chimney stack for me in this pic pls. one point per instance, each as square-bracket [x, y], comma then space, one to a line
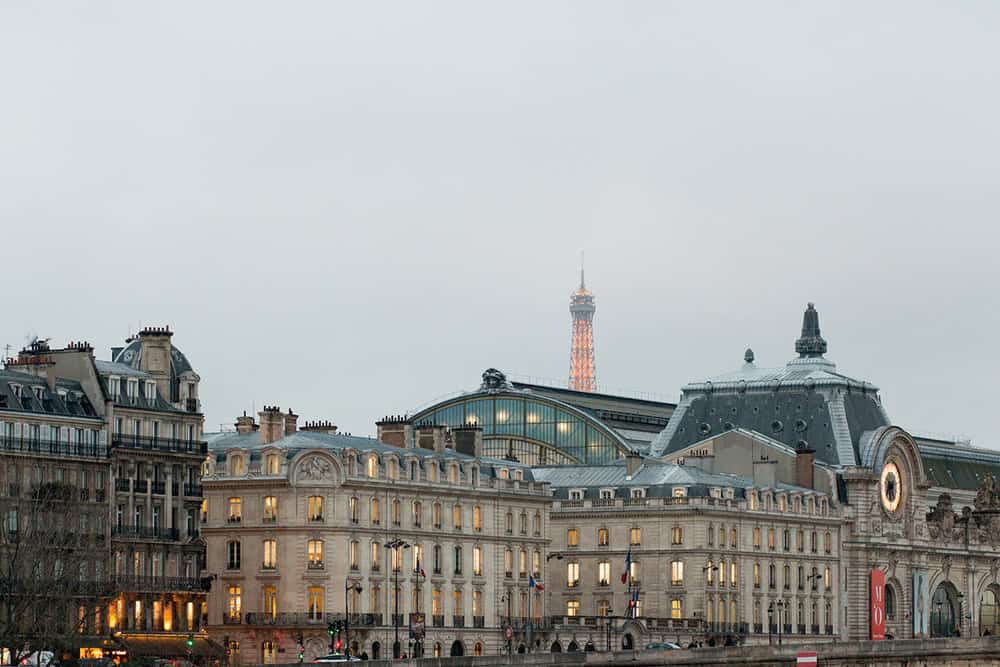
[245, 424]
[291, 422]
[633, 461]
[36, 360]
[321, 426]
[395, 431]
[272, 424]
[154, 358]
[468, 440]
[765, 472]
[804, 458]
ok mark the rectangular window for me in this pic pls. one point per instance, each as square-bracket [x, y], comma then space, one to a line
[270, 509]
[235, 603]
[572, 537]
[604, 573]
[603, 537]
[677, 573]
[235, 510]
[352, 509]
[573, 608]
[456, 515]
[376, 556]
[271, 602]
[477, 519]
[756, 575]
[676, 610]
[635, 536]
[315, 602]
[733, 574]
[633, 572]
[352, 554]
[572, 575]
[477, 561]
[770, 539]
[315, 509]
[315, 553]
[676, 535]
[270, 554]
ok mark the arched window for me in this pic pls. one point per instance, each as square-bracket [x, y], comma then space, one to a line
[417, 513]
[271, 464]
[436, 515]
[376, 512]
[235, 552]
[456, 515]
[477, 519]
[392, 469]
[237, 466]
[372, 464]
[477, 649]
[458, 559]
[989, 612]
[396, 512]
[437, 558]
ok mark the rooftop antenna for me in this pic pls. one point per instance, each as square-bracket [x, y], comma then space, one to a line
[581, 270]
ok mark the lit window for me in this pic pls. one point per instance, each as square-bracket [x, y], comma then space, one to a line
[677, 572]
[603, 537]
[270, 554]
[352, 509]
[477, 519]
[536, 563]
[456, 515]
[709, 572]
[603, 608]
[477, 561]
[396, 511]
[604, 573]
[572, 537]
[271, 602]
[270, 508]
[733, 574]
[315, 602]
[770, 538]
[235, 603]
[376, 555]
[635, 536]
[572, 575]
[679, 492]
[271, 464]
[676, 610]
[573, 608]
[315, 553]
[634, 568]
[676, 535]
[376, 512]
[722, 573]
[733, 538]
[315, 511]
[372, 467]
[235, 510]
[756, 575]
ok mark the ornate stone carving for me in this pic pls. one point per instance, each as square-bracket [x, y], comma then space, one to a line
[494, 381]
[988, 495]
[942, 522]
[315, 468]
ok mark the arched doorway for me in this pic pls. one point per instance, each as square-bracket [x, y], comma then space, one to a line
[944, 611]
[556, 648]
[477, 648]
[521, 648]
[457, 649]
[989, 613]
[437, 649]
[376, 650]
[573, 647]
[628, 642]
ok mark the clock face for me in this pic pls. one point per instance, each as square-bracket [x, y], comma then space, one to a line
[892, 487]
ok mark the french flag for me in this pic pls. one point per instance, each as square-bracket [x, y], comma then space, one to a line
[420, 569]
[628, 565]
[534, 584]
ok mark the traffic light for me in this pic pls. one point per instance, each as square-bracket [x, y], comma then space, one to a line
[337, 645]
[302, 653]
[331, 629]
[190, 641]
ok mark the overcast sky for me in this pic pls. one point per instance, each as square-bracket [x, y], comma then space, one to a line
[350, 209]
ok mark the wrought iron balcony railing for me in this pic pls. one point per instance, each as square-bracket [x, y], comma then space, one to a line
[145, 533]
[52, 447]
[159, 444]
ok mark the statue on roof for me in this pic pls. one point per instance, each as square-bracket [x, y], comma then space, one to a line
[988, 496]
[494, 381]
[810, 344]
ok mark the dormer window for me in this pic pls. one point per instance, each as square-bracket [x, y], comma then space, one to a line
[150, 391]
[730, 493]
[39, 392]
[237, 467]
[372, 467]
[576, 494]
[453, 473]
[637, 493]
[504, 473]
[716, 492]
[132, 389]
[114, 385]
[15, 389]
[679, 492]
[518, 475]
[607, 494]
[271, 464]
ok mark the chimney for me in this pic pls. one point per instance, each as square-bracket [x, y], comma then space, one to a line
[804, 458]
[36, 360]
[154, 358]
[245, 424]
[764, 472]
[395, 431]
[468, 440]
[431, 437]
[272, 424]
[633, 462]
[322, 426]
[291, 422]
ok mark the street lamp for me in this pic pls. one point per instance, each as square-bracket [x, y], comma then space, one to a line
[781, 606]
[397, 545]
[348, 587]
[770, 622]
[509, 630]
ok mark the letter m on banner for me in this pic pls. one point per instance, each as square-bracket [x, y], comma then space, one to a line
[877, 604]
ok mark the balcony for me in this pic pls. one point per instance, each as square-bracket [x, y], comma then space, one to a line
[123, 485]
[814, 629]
[192, 490]
[158, 444]
[52, 447]
[293, 618]
[100, 496]
[84, 495]
[159, 488]
[269, 519]
[268, 567]
[232, 619]
[458, 621]
[235, 519]
[828, 629]
[136, 583]
[140, 485]
[398, 619]
[478, 622]
[145, 533]
[437, 621]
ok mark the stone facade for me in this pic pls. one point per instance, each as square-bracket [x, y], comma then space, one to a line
[297, 524]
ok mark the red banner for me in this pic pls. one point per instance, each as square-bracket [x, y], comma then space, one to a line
[877, 604]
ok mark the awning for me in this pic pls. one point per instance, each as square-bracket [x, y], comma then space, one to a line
[169, 646]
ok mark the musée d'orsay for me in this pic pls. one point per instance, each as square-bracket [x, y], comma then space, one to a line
[772, 499]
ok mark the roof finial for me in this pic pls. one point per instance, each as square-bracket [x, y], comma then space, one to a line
[748, 356]
[811, 344]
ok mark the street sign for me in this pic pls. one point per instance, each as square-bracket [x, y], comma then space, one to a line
[806, 659]
[508, 633]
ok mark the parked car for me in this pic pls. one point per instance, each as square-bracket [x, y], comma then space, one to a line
[337, 657]
[662, 646]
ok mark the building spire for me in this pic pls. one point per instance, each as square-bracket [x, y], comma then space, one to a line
[582, 286]
[810, 344]
[582, 376]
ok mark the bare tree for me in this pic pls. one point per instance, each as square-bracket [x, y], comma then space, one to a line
[54, 583]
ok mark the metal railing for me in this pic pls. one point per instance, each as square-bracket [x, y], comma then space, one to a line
[130, 582]
[192, 490]
[155, 443]
[478, 621]
[140, 485]
[145, 532]
[158, 488]
[123, 485]
[52, 447]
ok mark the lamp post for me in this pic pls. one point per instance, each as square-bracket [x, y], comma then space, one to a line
[509, 630]
[770, 623]
[781, 606]
[348, 587]
[397, 545]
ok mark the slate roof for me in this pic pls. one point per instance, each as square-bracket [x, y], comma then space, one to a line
[658, 478]
[105, 369]
[115, 368]
[220, 443]
[804, 403]
[957, 466]
[74, 404]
